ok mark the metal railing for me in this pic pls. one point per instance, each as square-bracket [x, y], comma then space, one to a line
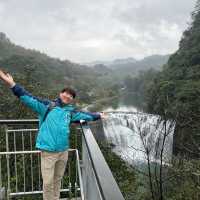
[98, 181]
[87, 179]
[20, 173]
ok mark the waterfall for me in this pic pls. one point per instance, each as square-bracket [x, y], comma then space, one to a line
[136, 133]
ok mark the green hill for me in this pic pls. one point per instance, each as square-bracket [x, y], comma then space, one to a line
[176, 91]
[16, 59]
[45, 76]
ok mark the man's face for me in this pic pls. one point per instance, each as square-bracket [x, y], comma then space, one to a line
[66, 97]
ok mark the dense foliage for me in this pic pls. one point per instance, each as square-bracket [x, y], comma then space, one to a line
[176, 91]
[123, 173]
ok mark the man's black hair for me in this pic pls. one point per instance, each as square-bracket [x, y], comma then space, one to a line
[69, 91]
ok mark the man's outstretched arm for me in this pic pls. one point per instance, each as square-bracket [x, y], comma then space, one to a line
[87, 116]
[32, 102]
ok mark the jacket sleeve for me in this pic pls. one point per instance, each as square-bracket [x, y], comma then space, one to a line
[36, 104]
[87, 116]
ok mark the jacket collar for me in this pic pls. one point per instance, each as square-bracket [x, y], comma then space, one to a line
[59, 103]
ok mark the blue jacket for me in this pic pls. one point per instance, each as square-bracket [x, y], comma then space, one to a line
[54, 131]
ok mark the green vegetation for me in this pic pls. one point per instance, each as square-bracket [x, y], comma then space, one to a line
[137, 88]
[180, 181]
[46, 76]
[175, 92]
[123, 173]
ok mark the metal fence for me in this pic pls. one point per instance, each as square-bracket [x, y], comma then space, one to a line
[20, 171]
[88, 178]
[98, 181]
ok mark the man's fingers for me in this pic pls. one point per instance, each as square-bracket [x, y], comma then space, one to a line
[9, 76]
[2, 75]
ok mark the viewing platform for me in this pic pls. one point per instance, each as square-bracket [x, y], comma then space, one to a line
[87, 175]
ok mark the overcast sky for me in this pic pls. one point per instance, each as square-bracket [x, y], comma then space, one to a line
[89, 30]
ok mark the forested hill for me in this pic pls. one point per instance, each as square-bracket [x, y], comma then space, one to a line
[43, 76]
[153, 61]
[40, 73]
[16, 59]
[176, 90]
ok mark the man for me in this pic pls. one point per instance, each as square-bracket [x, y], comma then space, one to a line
[53, 136]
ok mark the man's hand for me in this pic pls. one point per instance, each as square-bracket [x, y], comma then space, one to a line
[103, 115]
[7, 78]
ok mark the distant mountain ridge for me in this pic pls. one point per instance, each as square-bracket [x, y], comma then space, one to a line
[120, 68]
[111, 62]
[153, 61]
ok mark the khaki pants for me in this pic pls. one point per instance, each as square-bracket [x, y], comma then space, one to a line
[53, 168]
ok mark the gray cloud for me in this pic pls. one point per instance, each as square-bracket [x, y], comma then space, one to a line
[90, 30]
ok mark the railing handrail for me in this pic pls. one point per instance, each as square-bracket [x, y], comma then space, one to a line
[18, 121]
[105, 180]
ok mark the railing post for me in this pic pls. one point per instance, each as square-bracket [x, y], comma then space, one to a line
[2, 193]
[8, 165]
[75, 185]
[2, 189]
[80, 176]
[70, 190]
[0, 174]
